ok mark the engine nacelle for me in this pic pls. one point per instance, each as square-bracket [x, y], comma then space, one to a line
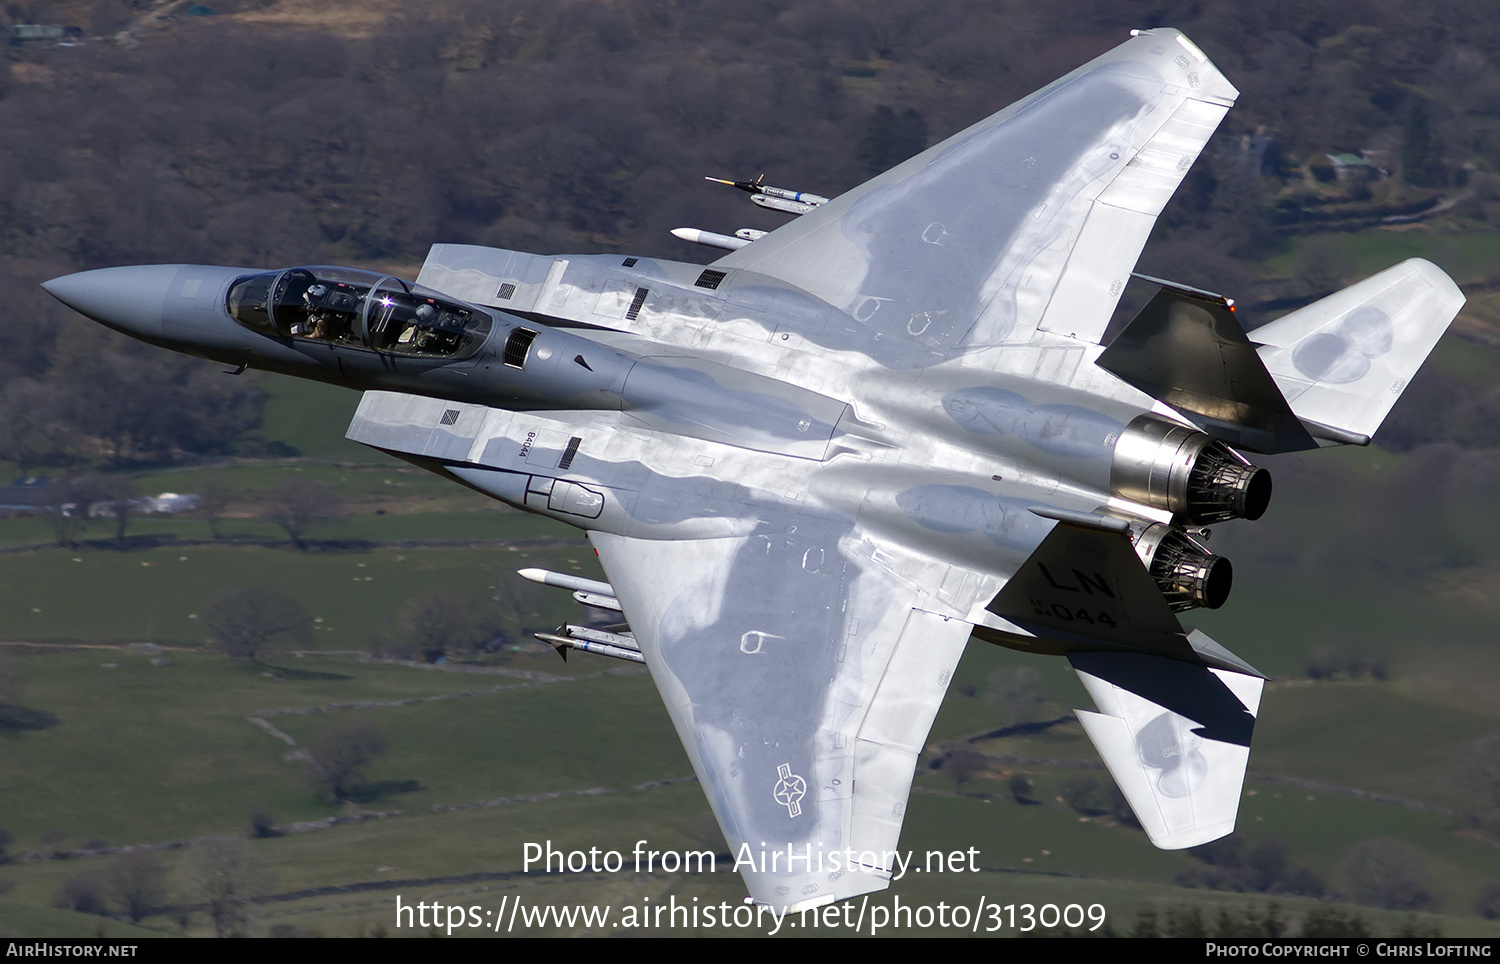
[1193, 476]
[1189, 575]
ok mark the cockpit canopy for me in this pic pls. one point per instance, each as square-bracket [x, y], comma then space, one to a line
[357, 309]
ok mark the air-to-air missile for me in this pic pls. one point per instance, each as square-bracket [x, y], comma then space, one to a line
[590, 592]
[776, 198]
[572, 637]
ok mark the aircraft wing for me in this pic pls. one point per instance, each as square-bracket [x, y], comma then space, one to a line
[801, 658]
[802, 681]
[1175, 737]
[1032, 218]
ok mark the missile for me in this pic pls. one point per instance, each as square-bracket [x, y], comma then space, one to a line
[589, 640]
[758, 189]
[565, 643]
[750, 234]
[590, 592]
[709, 238]
[564, 581]
[600, 636]
[781, 204]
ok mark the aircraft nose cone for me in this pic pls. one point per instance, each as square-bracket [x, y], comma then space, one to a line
[127, 299]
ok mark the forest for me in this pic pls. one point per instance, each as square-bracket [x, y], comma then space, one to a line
[587, 126]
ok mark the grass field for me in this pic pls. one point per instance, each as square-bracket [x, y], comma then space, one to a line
[474, 857]
[154, 595]
[148, 754]
[311, 417]
[1468, 257]
[176, 741]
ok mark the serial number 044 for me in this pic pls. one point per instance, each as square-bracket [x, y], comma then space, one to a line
[1028, 917]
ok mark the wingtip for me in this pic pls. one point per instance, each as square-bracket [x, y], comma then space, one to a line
[1434, 275]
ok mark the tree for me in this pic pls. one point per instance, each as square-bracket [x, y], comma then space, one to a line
[138, 402]
[225, 874]
[1265, 866]
[300, 505]
[335, 758]
[33, 429]
[262, 824]
[119, 493]
[1388, 873]
[85, 893]
[1421, 163]
[436, 622]
[67, 506]
[965, 764]
[138, 882]
[243, 619]
[215, 495]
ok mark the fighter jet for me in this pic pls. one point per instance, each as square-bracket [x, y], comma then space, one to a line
[814, 469]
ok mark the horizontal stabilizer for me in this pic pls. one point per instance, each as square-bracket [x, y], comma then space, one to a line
[1343, 361]
[1089, 585]
[1175, 737]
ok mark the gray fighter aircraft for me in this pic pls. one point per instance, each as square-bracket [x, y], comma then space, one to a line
[815, 468]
